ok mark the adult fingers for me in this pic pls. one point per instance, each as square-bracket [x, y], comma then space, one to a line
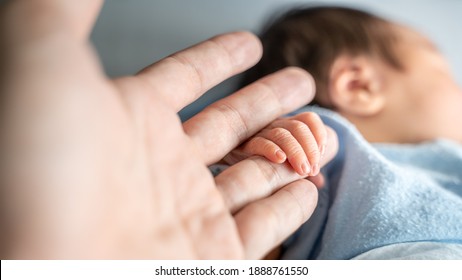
[222, 126]
[256, 178]
[184, 76]
[252, 179]
[264, 224]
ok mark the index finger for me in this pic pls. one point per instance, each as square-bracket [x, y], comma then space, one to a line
[255, 178]
[222, 126]
[184, 76]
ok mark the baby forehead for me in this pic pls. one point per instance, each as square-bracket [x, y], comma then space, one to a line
[408, 35]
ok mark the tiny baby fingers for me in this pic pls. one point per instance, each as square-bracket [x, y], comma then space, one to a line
[260, 146]
[319, 132]
[296, 156]
[224, 125]
[317, 127]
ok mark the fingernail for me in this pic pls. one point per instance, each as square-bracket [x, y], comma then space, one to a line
[280, 155]
[305, 167]
[315, 169]
[323, 150]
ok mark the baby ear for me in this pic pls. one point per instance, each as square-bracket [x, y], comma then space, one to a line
[355, 86]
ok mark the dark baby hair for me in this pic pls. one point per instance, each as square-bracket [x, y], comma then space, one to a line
[313, 37]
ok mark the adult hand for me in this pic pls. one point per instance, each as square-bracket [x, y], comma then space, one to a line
[99, 168]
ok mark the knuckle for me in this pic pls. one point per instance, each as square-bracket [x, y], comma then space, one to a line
[269, 172]
[295, 151]
[255, 141]
[260, 145]
[313, 152]
[279, 134]
[252, 145]
[268, 146]
[233, 118]
[298, 126]
[314, 155]
[297, 155]
[185, 63]
[308, 117]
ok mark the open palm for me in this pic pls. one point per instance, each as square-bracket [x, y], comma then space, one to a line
[100, 168]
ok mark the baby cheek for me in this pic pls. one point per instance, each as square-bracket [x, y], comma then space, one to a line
[444, 113]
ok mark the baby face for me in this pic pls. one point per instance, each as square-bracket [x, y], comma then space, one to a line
[427, 103]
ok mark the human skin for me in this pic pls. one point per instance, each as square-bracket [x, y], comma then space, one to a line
[98, 168]
[420, 102]
[301, 140]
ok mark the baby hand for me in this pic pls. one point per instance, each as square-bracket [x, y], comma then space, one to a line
[301, 140]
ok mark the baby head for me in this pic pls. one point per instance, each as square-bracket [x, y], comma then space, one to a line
[387, 79]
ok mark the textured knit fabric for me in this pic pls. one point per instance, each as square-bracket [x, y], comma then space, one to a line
[382, 194]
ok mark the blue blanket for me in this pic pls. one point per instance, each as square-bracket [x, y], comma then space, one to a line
[382, 194]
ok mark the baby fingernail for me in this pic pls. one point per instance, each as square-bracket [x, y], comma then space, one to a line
[280, 155]
[316, 169]
[305, 168]
[323, 150]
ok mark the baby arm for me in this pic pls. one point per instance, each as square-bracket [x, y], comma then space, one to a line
[301, 140]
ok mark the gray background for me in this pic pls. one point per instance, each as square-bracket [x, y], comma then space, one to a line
[130, 35]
